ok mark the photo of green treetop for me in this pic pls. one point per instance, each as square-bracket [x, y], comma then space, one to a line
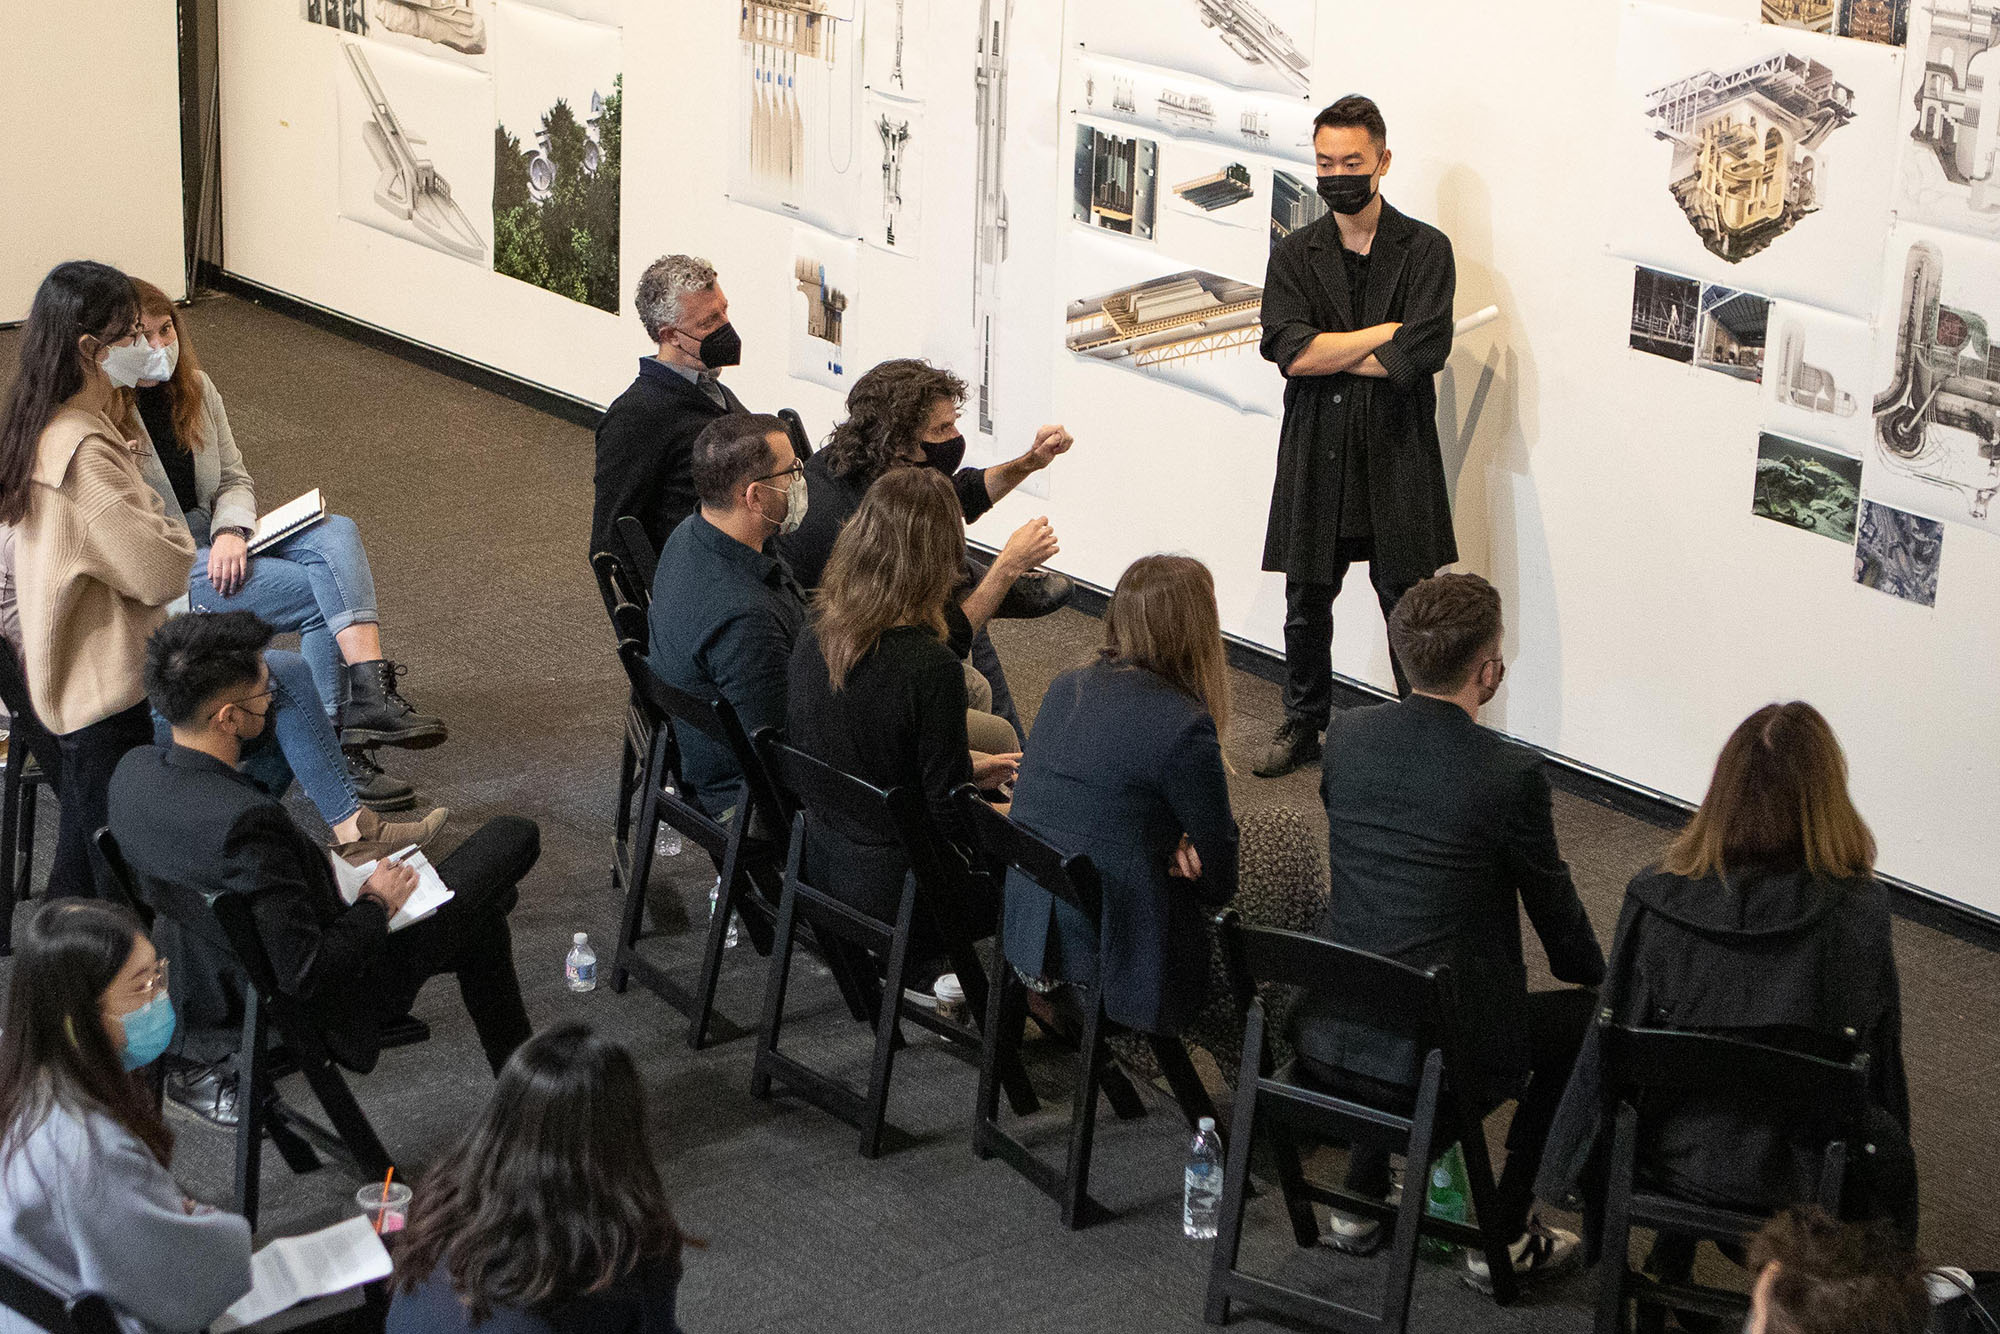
[555, 202]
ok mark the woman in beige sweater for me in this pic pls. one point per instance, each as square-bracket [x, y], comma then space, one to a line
[96, 558]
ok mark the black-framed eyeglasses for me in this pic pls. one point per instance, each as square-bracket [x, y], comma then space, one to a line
[796, 470]
[266, 693]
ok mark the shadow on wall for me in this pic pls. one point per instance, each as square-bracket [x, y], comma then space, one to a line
[1485, 428]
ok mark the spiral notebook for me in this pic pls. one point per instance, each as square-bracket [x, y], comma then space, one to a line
[288, 518]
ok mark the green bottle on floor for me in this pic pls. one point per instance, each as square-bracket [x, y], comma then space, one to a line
[1446, 1198]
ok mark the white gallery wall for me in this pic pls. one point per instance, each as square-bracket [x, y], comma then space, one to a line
[90, 90]
[1606, 491]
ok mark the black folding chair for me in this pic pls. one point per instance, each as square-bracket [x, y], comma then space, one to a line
[34, 759]
[636, 554]
[795, 427]
[1362, 988]
[1072, 880]
[628, 621]
[85, 1313]
[1819, 1100]
[743, 853]
[226, 930]
[812, 790]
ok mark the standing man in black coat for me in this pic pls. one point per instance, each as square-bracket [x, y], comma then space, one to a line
[1357, 314]
[645, 441]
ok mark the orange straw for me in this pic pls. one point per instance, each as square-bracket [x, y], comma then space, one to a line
[382, 1214]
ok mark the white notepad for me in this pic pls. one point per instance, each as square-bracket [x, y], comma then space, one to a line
[296, 1269]
[430, 894]
[287, 519]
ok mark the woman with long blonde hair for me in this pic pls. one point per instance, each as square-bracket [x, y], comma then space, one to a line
[873, 690]
[1125, 764]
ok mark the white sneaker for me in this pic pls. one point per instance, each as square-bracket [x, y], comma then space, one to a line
[1350, 1234]
[1541, 1250]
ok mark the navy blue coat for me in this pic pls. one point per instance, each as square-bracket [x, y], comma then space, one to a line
[1119, 766]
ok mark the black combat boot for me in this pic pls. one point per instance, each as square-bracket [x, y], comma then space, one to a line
[378, 715]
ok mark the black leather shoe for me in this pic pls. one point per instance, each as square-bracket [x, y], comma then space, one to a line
[1036, 593]
[1295, 745]
[207, 1091]
[375, 788]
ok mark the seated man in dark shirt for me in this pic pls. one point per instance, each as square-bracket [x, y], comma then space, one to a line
[646, 437]
[1439, 832]
[184, 816]
[725, 612]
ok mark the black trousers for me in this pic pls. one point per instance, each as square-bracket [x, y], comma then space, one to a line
[469, 937]
[1309, 641]
[89, 755]
[1555, 1022]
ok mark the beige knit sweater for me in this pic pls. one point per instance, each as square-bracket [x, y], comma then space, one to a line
[96, 563]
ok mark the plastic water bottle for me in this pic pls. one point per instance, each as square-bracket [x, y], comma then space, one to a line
[1446, 1197]
[1201, 1200]
[714, 898]
[669, 842]
[580, 968]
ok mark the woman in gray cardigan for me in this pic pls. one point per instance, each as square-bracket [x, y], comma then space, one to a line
[87, 1203]
[316, 583]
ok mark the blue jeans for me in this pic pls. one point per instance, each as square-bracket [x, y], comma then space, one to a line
[297, 742]
[313, 584]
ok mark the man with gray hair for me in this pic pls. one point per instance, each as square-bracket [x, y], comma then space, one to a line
[645, 440]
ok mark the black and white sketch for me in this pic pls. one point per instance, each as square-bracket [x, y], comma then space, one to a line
[989, 229]
[894, 34]
[1898, 553]
[350, 16]
[415, 148]
[899, 133]
[1806, 487]
[1665, 310]
[1116, 183]
[1730, 334]
[1950, 169]
[1193, 328]
[1263, 45]
[454, 25]
[801, 149]
[1819, 377]
[1937, 411]
[1185, 107]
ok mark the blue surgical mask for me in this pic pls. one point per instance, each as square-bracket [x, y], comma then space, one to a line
[148, 1030]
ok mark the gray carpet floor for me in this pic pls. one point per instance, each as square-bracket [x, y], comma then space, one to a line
[474, 508]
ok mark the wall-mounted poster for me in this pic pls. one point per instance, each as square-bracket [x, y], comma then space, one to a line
[415, 159]
[1886, 22]
[1116, 182]
[894, 35]
[1898, 553]
[1189, 108]
[1936, 450]
[1192, 329]
[1819, 372]
[1256, 44]
[1807, 487]
[1665, 309]
[900, 134]
[1730, 334]
[800, 146]
[1950, 156]
[350, 16]
[823, 277]
[1755, 155]
[556, 149]
[460, 30]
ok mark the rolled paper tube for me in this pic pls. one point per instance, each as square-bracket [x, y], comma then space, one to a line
[1466, 324]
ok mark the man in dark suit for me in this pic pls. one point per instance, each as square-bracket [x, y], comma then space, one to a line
[183, 815]
[645, 440]
[1357, 314]
[1439, 831]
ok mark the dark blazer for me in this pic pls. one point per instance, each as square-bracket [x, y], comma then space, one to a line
[1119, 766]
[645, 452]
[642, 1302]
[1775, 956]
[1438, 832]
[1412, 280]
[185, 818]
[897, 721]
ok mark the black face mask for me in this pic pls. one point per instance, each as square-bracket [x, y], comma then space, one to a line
[945, 455]
[721, 348]
[1347, 194]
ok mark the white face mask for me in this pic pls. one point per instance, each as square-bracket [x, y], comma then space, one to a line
[795, 503]
[160, 365]
[125, 363]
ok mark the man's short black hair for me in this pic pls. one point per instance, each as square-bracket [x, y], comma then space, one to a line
[731, 451]
[1355, 112]
[193, 658]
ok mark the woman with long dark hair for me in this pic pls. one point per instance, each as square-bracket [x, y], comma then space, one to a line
[96, 560]
[87, 1203]
[1126, 765]
[548, 1212]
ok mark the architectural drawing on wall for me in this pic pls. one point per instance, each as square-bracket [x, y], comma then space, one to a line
[822, 308]
[1218, 189]
[1116, 182]
[451, 23]
[409, 188]
[1812, 15]
[894, 42]
[1250, 33]
[801, 150]
[895, 135]
[1171, 327]
[1883, 21]
[557, 148]
[1745, 166]
[989, 233]
[1189, 111]
[1806, 487]
[1937, 421]
[899, 131]
[1802, 385]
[1665, 310]
[825, 306]
[1729, 335]
[1898, 553]
[1294, 204]
[344, 15]
[1107, 89]
[1952, 171]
